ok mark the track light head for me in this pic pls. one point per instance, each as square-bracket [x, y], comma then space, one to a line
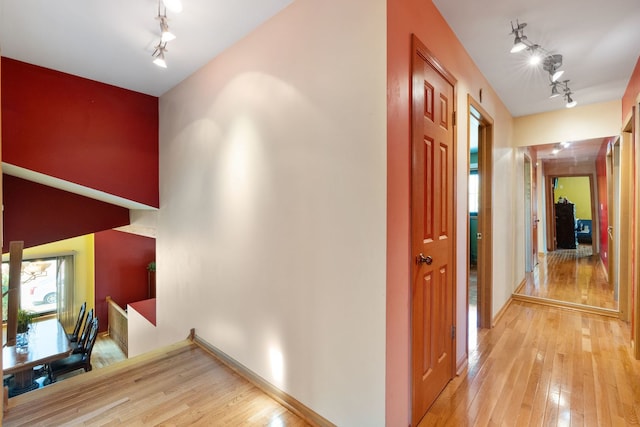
[518, 44]
[554, 90]
[535, 57]
[166, 35]
[519, 41]
[570, 102]
[555, 76]
[158, 55]
[160, 62]
[552, 63]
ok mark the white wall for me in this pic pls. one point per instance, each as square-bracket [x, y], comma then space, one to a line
[505, 218]
[142, 334]
[518, 212]
[271, 230]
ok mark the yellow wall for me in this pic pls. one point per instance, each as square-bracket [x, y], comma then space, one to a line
[576, 190]
[84, 264]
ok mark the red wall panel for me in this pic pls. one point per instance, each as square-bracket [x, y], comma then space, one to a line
[38, 214]
[121, 261]
[80, 130]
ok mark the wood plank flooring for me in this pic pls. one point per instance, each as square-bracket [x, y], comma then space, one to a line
[179, 385]
[573, 276]
[548, 366]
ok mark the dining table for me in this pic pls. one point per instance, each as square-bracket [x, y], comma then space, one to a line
[47, 341]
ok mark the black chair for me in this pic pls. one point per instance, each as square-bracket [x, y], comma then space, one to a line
[73, 337]
[81, 342]
[76, 361]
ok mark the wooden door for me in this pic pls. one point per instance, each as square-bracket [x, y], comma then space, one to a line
[432, 225]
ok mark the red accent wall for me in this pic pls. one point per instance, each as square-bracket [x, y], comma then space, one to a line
[603, 208]
[80, 130]
[121, 261]
[405, 17]
[632, 91]
[38, 214]
[146, 308]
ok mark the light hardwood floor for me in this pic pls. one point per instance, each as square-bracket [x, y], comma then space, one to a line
[571, 275]
[548, 366]
[181, 385]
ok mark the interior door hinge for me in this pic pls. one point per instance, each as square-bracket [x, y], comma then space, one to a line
[453, 332]
[453, 119]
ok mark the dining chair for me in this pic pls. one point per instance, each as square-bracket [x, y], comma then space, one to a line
[76, 361]
[73, 337]
[81, 342]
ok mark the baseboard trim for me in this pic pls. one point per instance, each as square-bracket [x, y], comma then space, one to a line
[275, 393]
[462, 365]
[520, 286]
[501, 313]
[567, 305]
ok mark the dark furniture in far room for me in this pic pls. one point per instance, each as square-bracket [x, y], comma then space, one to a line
[583, 231]
[566, 226]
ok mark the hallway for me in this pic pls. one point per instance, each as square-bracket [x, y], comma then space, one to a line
[570, 275]
[547, 365]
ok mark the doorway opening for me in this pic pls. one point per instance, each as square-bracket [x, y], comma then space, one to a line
[479, 291]
[573, 209]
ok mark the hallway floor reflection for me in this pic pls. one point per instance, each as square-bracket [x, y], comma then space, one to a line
[571, 275]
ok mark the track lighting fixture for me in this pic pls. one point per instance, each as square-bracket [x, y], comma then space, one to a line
[551, 62]
[165, 34]
[564, 85]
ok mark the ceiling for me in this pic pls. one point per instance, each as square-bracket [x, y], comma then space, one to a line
[112, 41]
[599, 42]
[577, 154]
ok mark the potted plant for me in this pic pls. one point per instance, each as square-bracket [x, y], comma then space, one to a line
[24, 320]
[151, 279]
[22, 336]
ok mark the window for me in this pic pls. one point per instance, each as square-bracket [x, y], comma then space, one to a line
[474, 191]
[46, 285]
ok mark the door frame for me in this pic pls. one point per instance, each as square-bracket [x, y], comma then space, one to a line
[419, 49]
[635, 143]
[625, 223]
[529, 224]
[485, 217]
[613, 161]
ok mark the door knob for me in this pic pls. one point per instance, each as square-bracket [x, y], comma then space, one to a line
[421, 259]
